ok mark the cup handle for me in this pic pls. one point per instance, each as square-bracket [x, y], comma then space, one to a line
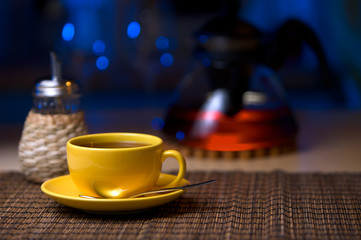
[182, 167]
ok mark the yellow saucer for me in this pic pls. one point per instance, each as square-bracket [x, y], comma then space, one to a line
[63, 190]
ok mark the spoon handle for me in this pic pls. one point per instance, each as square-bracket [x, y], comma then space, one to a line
[164, 190]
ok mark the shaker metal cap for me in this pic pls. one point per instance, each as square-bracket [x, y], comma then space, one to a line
[56, 86]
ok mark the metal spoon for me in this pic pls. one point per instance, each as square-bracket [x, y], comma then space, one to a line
[158, 190]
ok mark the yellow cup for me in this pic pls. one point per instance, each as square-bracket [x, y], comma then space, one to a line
[100, 166]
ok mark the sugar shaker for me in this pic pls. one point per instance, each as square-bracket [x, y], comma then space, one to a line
[54, 118]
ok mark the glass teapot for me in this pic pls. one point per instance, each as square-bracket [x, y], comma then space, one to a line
[232, 100]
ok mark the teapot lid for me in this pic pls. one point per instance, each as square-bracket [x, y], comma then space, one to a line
[56, 86]
[228, 33]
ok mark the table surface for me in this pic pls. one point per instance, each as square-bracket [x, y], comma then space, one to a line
[238, 205]
[328, 141]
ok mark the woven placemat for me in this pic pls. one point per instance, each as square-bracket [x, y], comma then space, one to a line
[238, 205]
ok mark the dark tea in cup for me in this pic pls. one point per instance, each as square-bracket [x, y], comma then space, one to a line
[115, 144]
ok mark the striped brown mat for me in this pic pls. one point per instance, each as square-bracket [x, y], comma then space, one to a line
[239, 205]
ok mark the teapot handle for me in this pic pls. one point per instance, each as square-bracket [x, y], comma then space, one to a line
[288, 42]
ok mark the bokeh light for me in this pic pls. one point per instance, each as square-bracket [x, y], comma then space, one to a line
[162, 43]
[133, 29]
[180, 135]
[206, 62]
[203, 38]
[99, 47]
[68, 32]
[166, 59]
[157, 123]
[102, 63]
